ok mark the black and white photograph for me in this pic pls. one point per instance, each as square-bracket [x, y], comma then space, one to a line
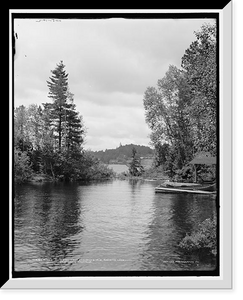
[116, 145]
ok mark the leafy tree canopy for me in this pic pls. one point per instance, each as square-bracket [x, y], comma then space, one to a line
[181, 110]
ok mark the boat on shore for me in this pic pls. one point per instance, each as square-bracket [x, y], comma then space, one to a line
[181, 187]
[203, 158]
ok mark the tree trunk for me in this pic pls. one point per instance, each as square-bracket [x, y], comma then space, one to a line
[195, 173]
[60, 133]
[53, 175]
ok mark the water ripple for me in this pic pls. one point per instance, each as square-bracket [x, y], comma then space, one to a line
[117, 225]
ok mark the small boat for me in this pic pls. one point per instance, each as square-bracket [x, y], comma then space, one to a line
[181, 187]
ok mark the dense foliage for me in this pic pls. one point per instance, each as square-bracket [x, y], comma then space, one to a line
[22, 166]
[182, 110]
[203, 239]
[49, 139]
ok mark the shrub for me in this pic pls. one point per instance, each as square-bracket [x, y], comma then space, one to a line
[22, 167]
[184, 175]
[203, 239]
[90, 168]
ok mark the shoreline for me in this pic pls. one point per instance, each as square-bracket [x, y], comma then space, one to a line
[152, 175]
[42, 178]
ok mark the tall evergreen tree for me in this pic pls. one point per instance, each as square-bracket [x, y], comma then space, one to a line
[58, 86]
[74, 128]
[62, 113]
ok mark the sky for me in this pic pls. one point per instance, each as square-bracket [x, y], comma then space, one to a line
[110, 63]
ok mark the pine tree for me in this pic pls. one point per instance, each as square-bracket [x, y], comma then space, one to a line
[135, 167]
[58, 85]
[73, 125]
[65, 120]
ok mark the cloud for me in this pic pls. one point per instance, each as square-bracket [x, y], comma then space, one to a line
[108, 99]
[111, 125]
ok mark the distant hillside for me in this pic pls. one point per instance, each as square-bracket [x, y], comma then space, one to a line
[122, 154]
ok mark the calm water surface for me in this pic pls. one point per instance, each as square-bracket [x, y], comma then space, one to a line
[115, 225]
